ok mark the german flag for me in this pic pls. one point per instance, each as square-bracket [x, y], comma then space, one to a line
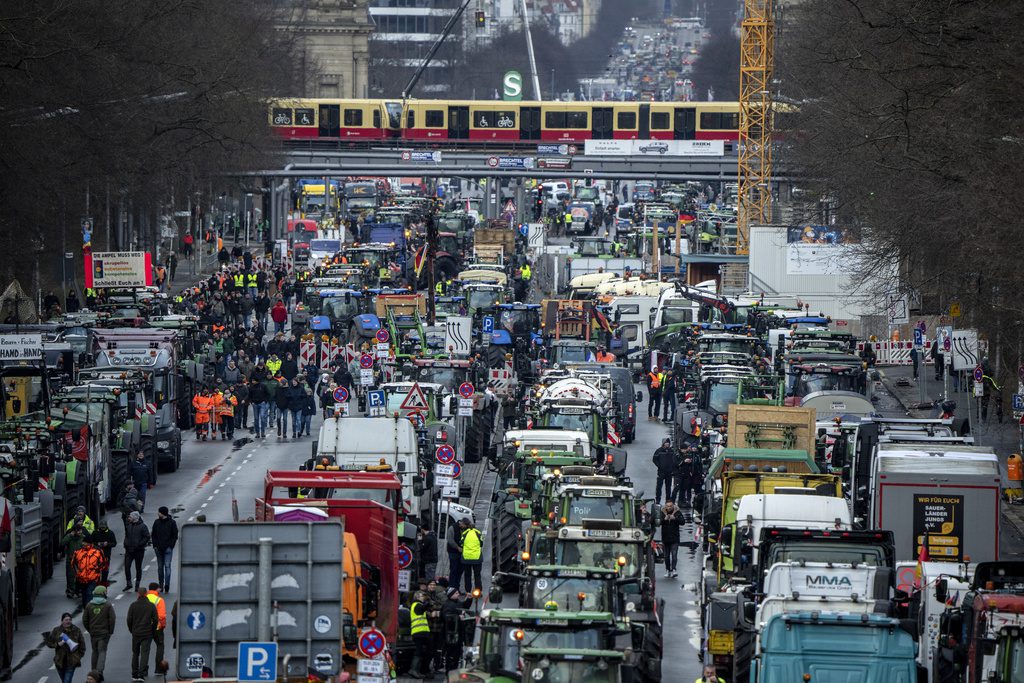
[314, 676]
[419, 259]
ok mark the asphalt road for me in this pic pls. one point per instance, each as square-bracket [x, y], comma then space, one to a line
[210, 474]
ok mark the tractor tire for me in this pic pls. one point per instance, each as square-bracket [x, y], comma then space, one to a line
[495, 356]
[8, 621]
[119, 475]
[46, 550]
[478, 435]
[27, 577]
[505, 540]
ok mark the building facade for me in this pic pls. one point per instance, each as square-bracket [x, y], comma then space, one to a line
[334, 38]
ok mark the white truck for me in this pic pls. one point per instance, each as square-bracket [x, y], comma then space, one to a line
[945, 497]
[791, 509]
[369, 442]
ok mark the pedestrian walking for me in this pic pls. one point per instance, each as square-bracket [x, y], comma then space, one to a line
[689, 478]
[142, 477]
[136, 539]
[226, 413]
[72, 543]
[654, 380]
[82, 519]
[164, 535]
[670, 520]
[258, 398]
[68, 645]
[668, 396]
[142, 622]
[88, 566]
[454, 549]
[282, 400]
[104, 539]
[308, 411]
[938, 360]
[472, 555]
[161, 624]
[99, 620]
[129, 503]
[664, 460]
[279, 314]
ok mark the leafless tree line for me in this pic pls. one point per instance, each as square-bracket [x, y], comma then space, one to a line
[138, 105]
[907, 121]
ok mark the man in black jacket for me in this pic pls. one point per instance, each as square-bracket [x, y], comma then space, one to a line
[136, 538]
[665, 460]
[104, 539]
[670, 520]
[258, 398]
[427, 551]
[142, 476]
[282, 399]
[689, 476]
[165, 537]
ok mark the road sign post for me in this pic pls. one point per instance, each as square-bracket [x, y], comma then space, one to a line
[257, 662]
[371, 643]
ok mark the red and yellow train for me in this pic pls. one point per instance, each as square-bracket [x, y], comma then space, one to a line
[494, 121]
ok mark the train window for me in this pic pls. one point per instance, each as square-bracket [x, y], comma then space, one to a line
[410, 119]
[353, 117]
[282, 117]
[720, 121]
[434, 118]
[394, 114]
[554, 119]
[626, 120]
[305, 117]
[576, 119]
[376, 118]
[494, 119]
[660, 120]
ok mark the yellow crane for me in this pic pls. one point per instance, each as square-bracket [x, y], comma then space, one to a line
[757, 58]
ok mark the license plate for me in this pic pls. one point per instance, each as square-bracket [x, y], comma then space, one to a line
[601, 533]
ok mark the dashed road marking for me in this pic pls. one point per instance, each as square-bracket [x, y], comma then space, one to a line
[209, 499]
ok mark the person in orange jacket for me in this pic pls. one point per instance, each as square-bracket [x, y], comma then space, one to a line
[153, 595]
[203, 404]
[216, 403]
[226, 414]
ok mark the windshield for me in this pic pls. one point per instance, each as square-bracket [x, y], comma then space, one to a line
[505, 647]
[598, 554]
[23, 394]
[626, 212]
[336, 308]
[727, 346]
[448, 377]
[676, 314]
[579, 422]
[394, 114]
[450, 225]
[808, 383]
[361, 203]
[587, 194]
[483, 298]
[720, 397]
[594, 507]
[518, 321]
[545, 670]
[826, 552]
[325, 246]
[566, 593]
[594, 248]
[571, 353]
[370, 258]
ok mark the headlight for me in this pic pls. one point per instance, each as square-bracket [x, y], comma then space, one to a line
[163, 445]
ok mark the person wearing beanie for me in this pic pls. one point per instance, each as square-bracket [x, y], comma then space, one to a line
[136, 539]
[99, 621]
[165, 537]
[452, 615]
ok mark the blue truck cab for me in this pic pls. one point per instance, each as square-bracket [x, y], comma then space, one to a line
[826, 647]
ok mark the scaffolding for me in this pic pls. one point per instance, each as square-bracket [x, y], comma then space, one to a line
[757, 57]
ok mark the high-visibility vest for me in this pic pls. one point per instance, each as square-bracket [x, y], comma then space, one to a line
[239, 280]
[273, 365]
[471, 545]
[656, 378]
[439, 288]
[605, 357]
[251, 279]
[419, 624]
[527, 272]
[161, 609]
[226, 406]
[88, 563]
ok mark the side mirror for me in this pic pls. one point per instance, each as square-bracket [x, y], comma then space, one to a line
[495, 595]
[988, 646]
[941, 590]
[417, 486]
[749, 611]
[639, 397]
[725, 541]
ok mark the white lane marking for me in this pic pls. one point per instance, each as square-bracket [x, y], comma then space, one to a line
[203, 505]
[146, 568]
[209, 499]
[43, 679]
[119, 596]
[192, 518]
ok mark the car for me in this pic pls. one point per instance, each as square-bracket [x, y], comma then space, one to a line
[654, 147]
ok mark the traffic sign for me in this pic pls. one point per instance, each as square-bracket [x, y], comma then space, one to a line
[979, 373]
[492, 162]
[404, 556]
[456, 469]
[375, 398]
[488, 324]
[955, 310]
[341, 394]
[918, 337]
[415, 400]
[444, 454]
[366, 361]
[196, 620]
[466, 390]
[444, 470]
[382, 335]
[524, 229]
[1018, 403]
[371, 642]
[257, 662]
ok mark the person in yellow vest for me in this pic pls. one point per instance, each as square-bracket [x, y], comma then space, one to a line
[273, 364]
[710, 675]
[238, 279]
[472, 554]
[526, 272]
[419, 627]
[153, 595]
[655, 378]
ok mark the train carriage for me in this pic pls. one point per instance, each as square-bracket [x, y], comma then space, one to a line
[323, 119]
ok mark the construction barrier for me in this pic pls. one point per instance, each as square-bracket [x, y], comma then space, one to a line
[890, 352]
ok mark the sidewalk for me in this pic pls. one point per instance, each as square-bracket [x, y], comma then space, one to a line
[1003, 436]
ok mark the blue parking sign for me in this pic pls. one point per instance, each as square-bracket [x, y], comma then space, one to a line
[375, 398]
[257, 662]
[1018, 403]
[918, 337]
[488, 324]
